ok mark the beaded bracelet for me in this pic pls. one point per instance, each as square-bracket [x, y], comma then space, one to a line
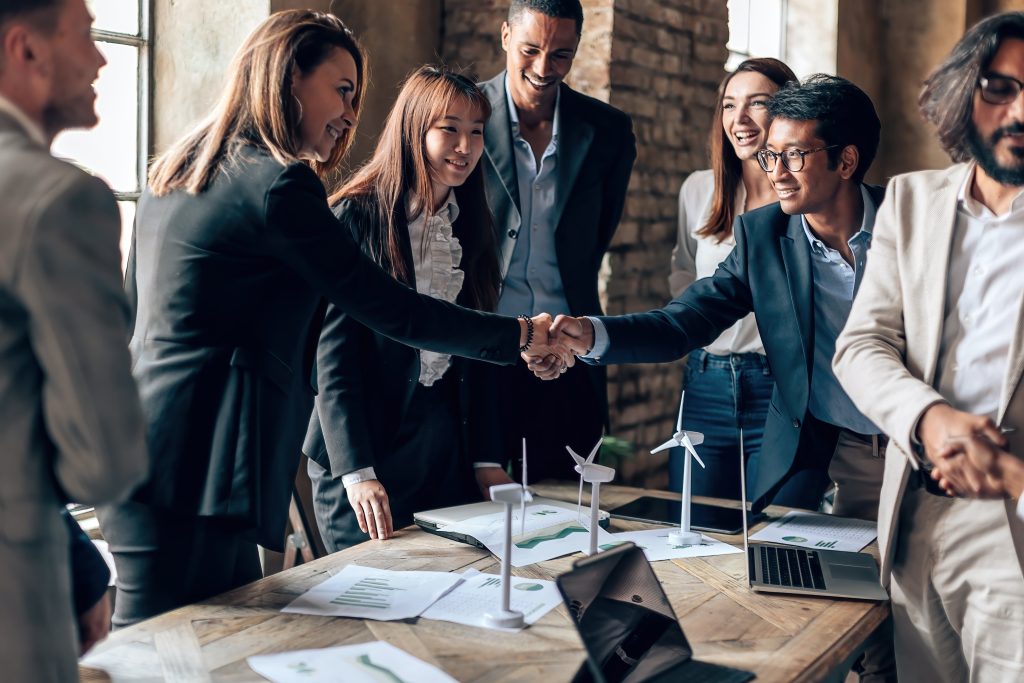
[529, 333]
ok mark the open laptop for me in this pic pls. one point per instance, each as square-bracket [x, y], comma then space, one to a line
[433, 521]
[784, 569]
[627, 625]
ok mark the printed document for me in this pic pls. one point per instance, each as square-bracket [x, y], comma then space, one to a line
[374, 662]
[820, 532]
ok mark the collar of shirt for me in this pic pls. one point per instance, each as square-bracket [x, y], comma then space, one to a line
[975, 209]
[449, 211]
[513, 114]
[33, 130]
[862, 235]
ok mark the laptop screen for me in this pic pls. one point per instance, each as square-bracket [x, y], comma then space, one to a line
[623, 616]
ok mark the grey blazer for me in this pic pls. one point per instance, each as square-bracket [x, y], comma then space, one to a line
[71, 427]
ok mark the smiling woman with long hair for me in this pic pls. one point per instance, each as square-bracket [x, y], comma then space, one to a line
[728, 383]
[234, 251]
[397, 431]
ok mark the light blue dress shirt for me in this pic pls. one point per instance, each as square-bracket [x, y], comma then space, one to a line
[835, 284]
[533, 283]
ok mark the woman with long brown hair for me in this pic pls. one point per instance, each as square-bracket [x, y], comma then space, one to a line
[234, 249]
[728, 383]
[396, 430]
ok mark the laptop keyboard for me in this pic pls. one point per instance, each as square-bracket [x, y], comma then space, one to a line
[791, 567]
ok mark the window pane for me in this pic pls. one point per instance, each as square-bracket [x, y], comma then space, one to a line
[767, 27]
[739, 25]
[110, 150]
[117, 16]
[127, 219]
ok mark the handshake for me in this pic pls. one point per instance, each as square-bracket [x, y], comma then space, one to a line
[556, 343]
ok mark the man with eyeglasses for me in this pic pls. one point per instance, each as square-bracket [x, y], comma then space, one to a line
[933, 352]
[796, 266]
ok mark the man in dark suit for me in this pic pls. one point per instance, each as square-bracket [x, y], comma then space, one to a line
[796, 266]
[556, 168]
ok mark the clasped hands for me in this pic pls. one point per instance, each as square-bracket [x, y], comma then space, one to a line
[556, 343]
[968, 454]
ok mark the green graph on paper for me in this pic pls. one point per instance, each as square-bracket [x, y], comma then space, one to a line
[490, 582]
[384, 672]
[537, 540]
[370, 592]
[826, 544]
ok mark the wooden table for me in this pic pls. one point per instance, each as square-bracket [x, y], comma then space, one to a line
[780, 638]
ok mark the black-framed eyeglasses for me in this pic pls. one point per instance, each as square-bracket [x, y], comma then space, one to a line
[997, 89]
[792, 159]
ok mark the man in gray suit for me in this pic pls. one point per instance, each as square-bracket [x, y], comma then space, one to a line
[556, 169]
[70, 423]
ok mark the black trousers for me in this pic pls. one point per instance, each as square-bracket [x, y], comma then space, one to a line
[165, 559]
[550, 415]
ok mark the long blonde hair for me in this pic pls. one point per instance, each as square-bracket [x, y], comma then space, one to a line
[257, 106]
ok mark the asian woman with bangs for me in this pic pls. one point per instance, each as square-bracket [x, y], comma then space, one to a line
[397, 430]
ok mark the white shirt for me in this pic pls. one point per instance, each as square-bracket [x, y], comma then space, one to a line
[983, 299]
[30, 126]
[696, 256]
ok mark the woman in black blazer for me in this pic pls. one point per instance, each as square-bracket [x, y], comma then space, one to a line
[234, 250]
[395, 430]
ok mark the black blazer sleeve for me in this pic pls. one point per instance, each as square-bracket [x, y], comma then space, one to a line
[303, 232]
[693, 319]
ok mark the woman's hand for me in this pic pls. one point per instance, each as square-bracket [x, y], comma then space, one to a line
[486, 477]
[370, 502]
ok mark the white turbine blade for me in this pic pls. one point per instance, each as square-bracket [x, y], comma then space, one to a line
[696, 438]
[522, 513]
[679, 420]
[671, 443]
[593, 452]
[579, 500]
[524, 463]
[688, 445]
[578, 459]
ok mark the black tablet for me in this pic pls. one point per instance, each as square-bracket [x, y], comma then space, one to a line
[719, 520]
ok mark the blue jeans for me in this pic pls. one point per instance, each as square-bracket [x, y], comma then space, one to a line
[723, 393]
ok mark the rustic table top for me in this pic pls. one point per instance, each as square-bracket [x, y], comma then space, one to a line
[780, 638]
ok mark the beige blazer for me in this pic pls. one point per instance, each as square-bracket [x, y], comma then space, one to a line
[886, 355]
[70, 422]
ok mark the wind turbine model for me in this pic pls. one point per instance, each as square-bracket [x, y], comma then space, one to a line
[596, 475]
[687, 440]
[509, 495]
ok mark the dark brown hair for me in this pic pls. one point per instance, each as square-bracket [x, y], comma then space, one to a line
[399, 167]
[257, 106]
[725, 165]
[947, 99]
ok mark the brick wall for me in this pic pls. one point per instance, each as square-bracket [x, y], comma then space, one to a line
[659, 61]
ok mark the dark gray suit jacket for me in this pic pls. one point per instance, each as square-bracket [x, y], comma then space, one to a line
[596, 153]
[769, 273]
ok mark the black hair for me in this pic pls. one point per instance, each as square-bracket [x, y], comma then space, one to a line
[842, 112]
[42, 14]
[947, 99]
[556, 9]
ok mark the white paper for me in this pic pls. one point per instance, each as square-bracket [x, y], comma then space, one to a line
[374, 662]
[368, 593]
[656, 546]
[481, 593]
[821, 532]
[550, 532]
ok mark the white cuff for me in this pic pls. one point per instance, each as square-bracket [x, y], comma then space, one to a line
[601, 342]
[478, 465]
[358, 477]
[1020, 508]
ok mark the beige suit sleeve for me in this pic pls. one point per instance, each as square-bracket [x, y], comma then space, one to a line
[870, 351]
[69, 280]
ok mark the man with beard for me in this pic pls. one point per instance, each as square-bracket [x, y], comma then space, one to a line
[556, 168]
[933, 353]
[70, 422]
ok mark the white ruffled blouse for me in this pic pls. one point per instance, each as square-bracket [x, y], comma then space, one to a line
[436, 255]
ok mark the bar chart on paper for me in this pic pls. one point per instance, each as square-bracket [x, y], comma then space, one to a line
[370, 593]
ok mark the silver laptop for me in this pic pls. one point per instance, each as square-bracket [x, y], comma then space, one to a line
[784, 569]
[433, 521]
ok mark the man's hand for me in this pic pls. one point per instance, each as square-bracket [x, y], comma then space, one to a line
[545, 357]
[576, 334]
[370, 502]
[1002, 473]
[942, 425]
[486, 477]
[94, 624]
